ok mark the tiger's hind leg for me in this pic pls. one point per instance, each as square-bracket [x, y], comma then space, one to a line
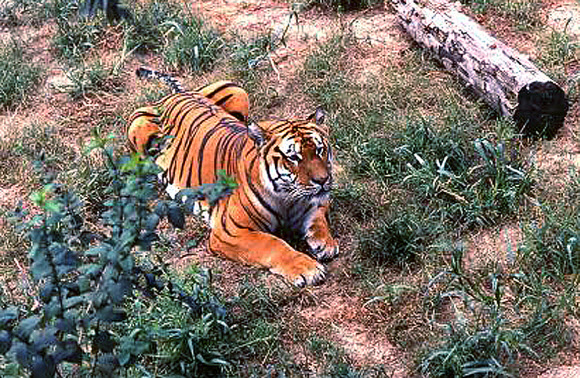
[229, 96]
[143, 128]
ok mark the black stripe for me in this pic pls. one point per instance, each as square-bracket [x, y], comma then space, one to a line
[187, 138]
[258, 195]
[217, 90]
[221, 101]
[239, 116]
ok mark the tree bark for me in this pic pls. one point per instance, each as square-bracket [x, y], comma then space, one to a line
[506, 79]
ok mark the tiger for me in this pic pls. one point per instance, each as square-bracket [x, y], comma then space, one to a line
[283, 168]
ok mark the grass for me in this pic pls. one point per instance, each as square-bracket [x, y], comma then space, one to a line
[19, 75]
[75, 35]
[93, 77]
[423, 170]
[523, 14]
[441, 167]
[342, 5]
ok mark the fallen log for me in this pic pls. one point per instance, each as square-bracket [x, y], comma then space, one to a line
[504, 78]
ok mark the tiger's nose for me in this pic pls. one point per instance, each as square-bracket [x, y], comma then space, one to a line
[322, 181]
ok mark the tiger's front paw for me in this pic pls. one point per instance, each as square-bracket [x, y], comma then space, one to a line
[302, 270]
[324, 250]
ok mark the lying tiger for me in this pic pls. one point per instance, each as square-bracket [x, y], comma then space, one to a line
[283, 169]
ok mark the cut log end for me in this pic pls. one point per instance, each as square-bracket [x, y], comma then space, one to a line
[541, 109]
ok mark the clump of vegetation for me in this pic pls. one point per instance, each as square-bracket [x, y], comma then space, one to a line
[75, 35]
[524, 14]
[184, 40]
[193, 45]
[20, 75]
[94, 77]
[85, 278]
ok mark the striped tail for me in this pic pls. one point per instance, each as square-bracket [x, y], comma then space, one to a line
[173, 83]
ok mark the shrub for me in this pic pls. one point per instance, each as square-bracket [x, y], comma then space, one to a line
[85, 278]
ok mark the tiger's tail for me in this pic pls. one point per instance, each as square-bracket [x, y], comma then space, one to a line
[148, 73]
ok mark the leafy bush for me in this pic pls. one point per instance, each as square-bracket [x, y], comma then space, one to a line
[18, 75]
[85, 278]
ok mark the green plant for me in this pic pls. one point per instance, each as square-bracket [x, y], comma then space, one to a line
[90, 78]
[19, 75]
[397, 241]
[16, 13]
[85, 278]
[75, 35]
[192, 45]
[525, 14]
[483, 338]
[343, 5]
[151, 20]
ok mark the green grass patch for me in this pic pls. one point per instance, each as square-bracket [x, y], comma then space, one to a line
[19, 76]
[185, 40]
[75, 35]
[342, 5]
[523, 14]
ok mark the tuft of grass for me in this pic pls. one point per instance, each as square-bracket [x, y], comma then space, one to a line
[35, 144]
[18, 12]
[558, 50]
[396, 241]
[250, 65]
[193, 46]
[342, 5]
[19, 75]
[151, 20]
[75, 35]
[184, 40]
[93, 77]
[523, 14]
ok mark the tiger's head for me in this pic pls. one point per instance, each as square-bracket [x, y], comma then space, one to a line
[295, 157]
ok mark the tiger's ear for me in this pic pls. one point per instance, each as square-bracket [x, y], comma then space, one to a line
[318, 116]
[257, 133]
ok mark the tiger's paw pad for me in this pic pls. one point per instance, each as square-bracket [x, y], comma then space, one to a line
[314, 277]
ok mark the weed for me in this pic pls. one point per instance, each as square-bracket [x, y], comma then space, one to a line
[524, 14]
[150, 22]
[94, 77]
[75, 35]
[19, 75]
[85, 278]
[342, 5]
[482, 337]
[396, 241]
[193, 45]
[249, 60]
[558, 51]
[16, 13]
